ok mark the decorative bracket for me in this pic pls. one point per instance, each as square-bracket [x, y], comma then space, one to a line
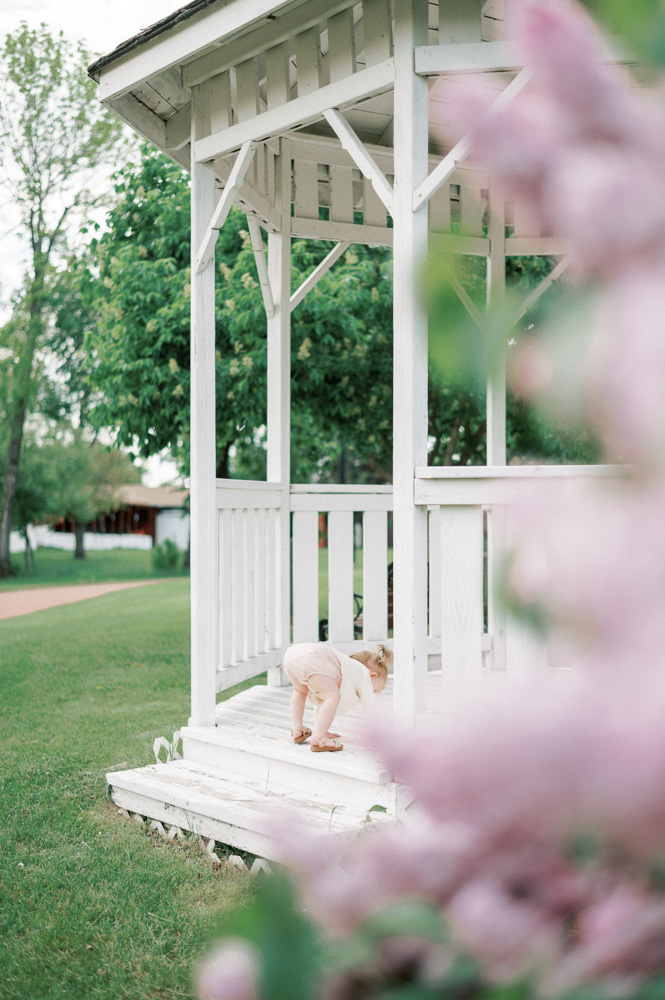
[448, 165]
[223, 207]
[316, 275]
[362, 159]
[261, 265]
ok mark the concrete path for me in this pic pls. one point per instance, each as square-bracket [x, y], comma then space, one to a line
[26, 600]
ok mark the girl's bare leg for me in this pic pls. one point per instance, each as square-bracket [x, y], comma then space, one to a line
[326, 690]
[298, 699]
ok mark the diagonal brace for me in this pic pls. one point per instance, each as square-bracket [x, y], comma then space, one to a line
[261, 265]
[316, 275]
[540, 289]
[446, 168]
[223, 207]
[362, 159]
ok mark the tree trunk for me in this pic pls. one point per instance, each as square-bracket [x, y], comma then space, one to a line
[19, 409]
[79, 532]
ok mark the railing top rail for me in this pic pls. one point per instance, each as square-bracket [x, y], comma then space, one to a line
[319, 488]
[247, 484]
[517, 471]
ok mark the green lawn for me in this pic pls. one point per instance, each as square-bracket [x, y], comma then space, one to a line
[91, 906]
[54, 567]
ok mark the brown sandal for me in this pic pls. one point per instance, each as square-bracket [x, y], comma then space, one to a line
[304, 735]
[322, 748]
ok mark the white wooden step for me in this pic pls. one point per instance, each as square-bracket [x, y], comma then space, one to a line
[236, 812]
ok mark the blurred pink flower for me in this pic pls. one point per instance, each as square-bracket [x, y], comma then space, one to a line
[229, 972]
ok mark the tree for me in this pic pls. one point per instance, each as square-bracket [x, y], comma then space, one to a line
[53, 137]
[86, 482]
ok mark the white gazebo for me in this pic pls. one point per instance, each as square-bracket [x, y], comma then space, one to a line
[315, 117]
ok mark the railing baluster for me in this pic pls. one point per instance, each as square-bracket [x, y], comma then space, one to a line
[375, 575]
[306, 576]
[340, 576]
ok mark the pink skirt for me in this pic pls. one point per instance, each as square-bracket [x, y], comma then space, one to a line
[307, 658]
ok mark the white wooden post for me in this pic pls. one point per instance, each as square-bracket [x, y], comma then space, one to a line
[496, 430]
[203, 428]
[279, 393]
[410, 366]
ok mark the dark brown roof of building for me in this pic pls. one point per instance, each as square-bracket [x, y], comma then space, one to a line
[177, 17]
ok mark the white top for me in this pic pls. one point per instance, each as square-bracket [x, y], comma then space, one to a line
[356, 687]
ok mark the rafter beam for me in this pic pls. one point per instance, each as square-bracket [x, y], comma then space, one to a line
[316, 275]
[490, 57]
[540, 290]
[361, 157]
[261, 265]
[179, 128]
[223, 207]
[352, 89]
[460, 151]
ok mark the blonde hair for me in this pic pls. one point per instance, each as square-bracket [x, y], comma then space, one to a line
[380, 660]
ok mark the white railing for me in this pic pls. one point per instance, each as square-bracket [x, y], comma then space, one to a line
[251, 528]
[466, 511]
[341, 505]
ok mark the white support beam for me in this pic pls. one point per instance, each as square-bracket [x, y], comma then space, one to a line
[409, 367]
[490, 57]
[361, 157]
[496, 293]
[261, 265]
[343, 232]
[204, 518]
[300, 111]
[540, 289]
[460, 151]
[251, 200]
[144, 121]
[207, 247]
[316, 275]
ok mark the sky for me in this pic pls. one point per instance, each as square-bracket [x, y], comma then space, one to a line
[101, 25]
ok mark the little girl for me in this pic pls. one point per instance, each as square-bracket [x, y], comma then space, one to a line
[335, 683]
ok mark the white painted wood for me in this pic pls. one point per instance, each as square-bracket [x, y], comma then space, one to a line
[517, 472]
[238, 651]
[361, 157]
[340, 576]
[251, 200]
[236, 673]
[273, 581]
[525, 221]
[179, 128]
[206, 249]
[300, 111]
[377, 31]
[466, 300]
[249, 629]
[475, 246]
[261, 266]
[496, 291]
[495, 518]
[221, 113]
[225, 586]
[341, 45]
[491, 489]
[204, 602]
[472, 211]
[485, 57]
[540, 289]
[461, 558]
[460, 151]
[439, 210]
[272, 33]
[148, 125]
[341, 195]
[544, 246]
[262, 580]
[459, 21]
[341, 502]
[355, 490]
[178, 47]
[526, 652]
[256, 486]
[313, 279]
[277, 75]
[279, 398]
[374, 211]
[306, 576]
[434, 573]
[306, 199]
[247, 94]
[342, 232]
[375, 575]
[308, 61]
[410, 365]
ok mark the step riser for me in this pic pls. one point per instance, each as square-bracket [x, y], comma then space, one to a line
[309, 781]
[168, 814]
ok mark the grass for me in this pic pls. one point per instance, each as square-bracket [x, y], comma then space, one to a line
[54, 567]
[90, 905]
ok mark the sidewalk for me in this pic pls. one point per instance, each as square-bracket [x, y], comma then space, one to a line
[24, 601]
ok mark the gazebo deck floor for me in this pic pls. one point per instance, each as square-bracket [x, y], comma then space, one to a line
[236, 779]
